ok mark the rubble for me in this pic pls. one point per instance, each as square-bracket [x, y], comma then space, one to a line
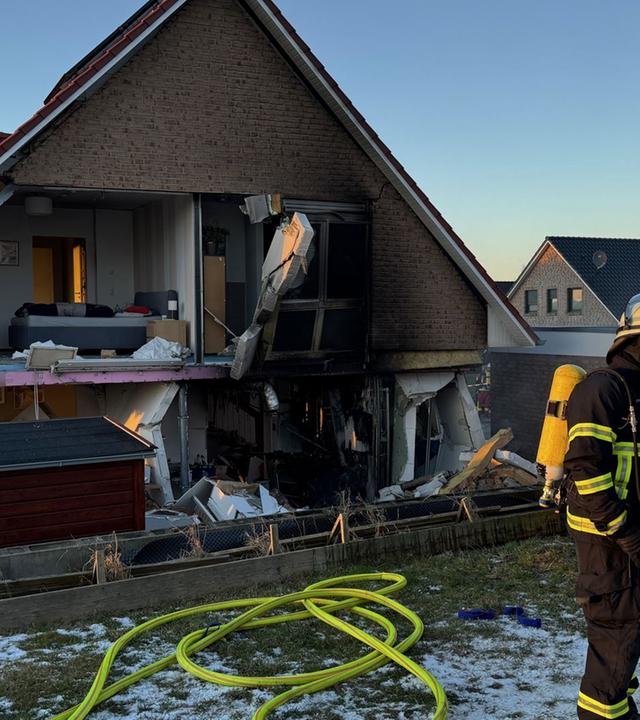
[216, 500]
[414, 489]
[165, 518]
[488, 468]
[491, 467]
[160, 349]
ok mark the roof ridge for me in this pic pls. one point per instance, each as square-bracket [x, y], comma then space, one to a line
[587, 237]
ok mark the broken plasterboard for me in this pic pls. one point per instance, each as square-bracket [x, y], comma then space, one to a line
[260, 207]
[288, 256]
[42, 355]
[142, 408]
[230, 500]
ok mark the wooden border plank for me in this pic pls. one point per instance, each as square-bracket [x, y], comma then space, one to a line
[186, 586]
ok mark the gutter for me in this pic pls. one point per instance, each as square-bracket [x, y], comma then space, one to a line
[78, 461]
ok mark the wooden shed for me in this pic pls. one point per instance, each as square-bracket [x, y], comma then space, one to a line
[70, 478]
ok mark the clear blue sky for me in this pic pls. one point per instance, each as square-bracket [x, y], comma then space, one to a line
[519, 118]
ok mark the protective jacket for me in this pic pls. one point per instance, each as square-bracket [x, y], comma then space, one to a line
[602, 509]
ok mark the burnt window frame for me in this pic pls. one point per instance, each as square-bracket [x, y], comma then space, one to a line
[325, 215]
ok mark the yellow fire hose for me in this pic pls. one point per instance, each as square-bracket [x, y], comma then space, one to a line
[321, 600]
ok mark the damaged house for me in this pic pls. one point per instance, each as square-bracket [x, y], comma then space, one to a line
[199, 177]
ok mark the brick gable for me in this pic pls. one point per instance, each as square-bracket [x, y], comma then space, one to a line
[209, 105]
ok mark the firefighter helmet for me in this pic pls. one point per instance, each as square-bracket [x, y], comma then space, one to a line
[628, 327]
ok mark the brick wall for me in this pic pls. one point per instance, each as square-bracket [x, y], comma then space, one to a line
[520, 384]
[551, 271]
[210, 106]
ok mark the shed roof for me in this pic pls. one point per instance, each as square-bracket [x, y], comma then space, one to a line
[76, 441]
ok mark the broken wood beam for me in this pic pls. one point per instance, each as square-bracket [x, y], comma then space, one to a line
[480, 461]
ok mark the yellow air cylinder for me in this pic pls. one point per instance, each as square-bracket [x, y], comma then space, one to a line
[553, 439]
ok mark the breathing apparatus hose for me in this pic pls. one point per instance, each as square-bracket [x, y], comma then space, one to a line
[321, 601]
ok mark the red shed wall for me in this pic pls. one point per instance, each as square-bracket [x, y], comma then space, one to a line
[56, 503]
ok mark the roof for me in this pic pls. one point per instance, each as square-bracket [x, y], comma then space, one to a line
[77, 441]
[505, 285]
[609, 266]
[117, 48]
[102, 58]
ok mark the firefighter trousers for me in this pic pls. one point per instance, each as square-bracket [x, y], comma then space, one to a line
[608, 591]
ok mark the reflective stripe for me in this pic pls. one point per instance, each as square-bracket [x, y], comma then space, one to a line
[633, 685]
[623, 470]
[605, 711]
[599, 432]
[595, 484]
[583, 524]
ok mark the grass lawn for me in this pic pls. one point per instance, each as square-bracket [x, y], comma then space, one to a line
[489, 669]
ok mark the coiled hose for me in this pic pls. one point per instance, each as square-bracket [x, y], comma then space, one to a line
[322, 600]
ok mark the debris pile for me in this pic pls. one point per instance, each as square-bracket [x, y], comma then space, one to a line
[492, 468]
[488, 468]
[216, 500]
[414, 489]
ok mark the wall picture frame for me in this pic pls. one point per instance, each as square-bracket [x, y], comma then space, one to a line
[9, 253]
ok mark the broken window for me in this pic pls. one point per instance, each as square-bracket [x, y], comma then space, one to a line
[325, 312]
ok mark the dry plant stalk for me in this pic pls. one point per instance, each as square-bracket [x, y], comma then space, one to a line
[258, 542]
[377, 518]
[114, 567]
[195, 549]
[343, 505]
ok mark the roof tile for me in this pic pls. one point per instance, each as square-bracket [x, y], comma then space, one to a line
[617, 279]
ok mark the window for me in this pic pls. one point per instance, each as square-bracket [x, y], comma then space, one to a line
[327, 311]
[552, 301]
[530, 301]
[574, 300]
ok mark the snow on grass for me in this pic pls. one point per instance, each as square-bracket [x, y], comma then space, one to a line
[499, 677]
[503, 676]
[493, 670]
[10, 649]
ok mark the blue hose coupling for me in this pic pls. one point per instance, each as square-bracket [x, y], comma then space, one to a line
[476, 614]
[530, 622]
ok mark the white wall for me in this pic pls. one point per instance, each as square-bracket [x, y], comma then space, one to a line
[114, 257]
[109, 255]
[164, 252]
[198, 425]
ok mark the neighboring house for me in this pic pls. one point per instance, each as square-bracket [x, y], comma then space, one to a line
[572, 292]
[504, 286]
[129, 180]
[578, 282]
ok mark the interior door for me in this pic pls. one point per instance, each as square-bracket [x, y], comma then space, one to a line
[43, 275]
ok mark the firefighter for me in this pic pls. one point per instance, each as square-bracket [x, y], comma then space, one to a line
[603, 514]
